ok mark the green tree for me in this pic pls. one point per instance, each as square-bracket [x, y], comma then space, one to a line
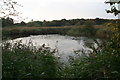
[7, 22]
[113, 10]
[22, 23]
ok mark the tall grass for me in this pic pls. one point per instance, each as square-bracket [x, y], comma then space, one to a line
[26, 32]
[88, 31]
[84, 31]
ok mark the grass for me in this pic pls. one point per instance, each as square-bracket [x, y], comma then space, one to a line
[88, 31]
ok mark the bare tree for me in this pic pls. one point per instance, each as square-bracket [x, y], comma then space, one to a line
[8, 8]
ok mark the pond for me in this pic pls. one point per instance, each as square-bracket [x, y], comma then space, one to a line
[66, 45]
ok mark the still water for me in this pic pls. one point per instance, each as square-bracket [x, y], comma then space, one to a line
[64, 44]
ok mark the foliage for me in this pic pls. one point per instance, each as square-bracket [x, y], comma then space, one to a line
[14, 33]
[26, 61]
[34, 24]
[102, 62]
[22, 61]
[7, 22]
[113, 10]
[85, 31]
[22, 23]
[63, 22]
[74, 32]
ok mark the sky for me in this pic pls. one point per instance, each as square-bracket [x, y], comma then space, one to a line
[63, 9]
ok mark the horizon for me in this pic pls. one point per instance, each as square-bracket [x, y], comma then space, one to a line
[61, 19]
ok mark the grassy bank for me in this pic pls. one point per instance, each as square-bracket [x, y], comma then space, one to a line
[88, 31]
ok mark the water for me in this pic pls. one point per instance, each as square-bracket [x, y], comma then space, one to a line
[64, 44]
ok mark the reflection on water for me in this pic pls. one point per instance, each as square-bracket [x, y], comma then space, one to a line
[65, 44]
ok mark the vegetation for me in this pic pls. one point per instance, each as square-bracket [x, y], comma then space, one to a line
[8, 8]
[75, 27]
[26, 31]
[85, 31]
[26, 61]
[103, 62]
[113, 10]
[55, 23]
[99, 31]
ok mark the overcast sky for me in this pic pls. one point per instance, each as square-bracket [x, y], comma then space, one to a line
[60, 9]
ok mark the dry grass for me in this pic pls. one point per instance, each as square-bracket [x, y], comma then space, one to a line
[30, 28]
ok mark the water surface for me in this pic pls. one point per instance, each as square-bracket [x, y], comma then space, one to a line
[64, 44]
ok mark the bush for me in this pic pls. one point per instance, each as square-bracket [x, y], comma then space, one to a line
[102, 62]
[84, 31]
[26, 61]
[73, 32]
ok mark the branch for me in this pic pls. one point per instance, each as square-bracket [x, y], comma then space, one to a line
[8, 8]
[111, 3]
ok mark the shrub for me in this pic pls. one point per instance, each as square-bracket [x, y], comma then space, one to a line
[102, 62]
[73, 32]
[26, 61]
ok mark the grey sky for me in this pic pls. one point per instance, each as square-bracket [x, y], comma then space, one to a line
[59, 9]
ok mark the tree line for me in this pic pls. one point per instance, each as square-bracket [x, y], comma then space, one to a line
[7, 22]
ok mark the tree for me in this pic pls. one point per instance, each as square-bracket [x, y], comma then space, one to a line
[34, 23]
[89, 22]
[63, 22]
[8, 8]
[81, 22]
[99, 21]
[22, 23]
[113, 10]
[7, 22]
